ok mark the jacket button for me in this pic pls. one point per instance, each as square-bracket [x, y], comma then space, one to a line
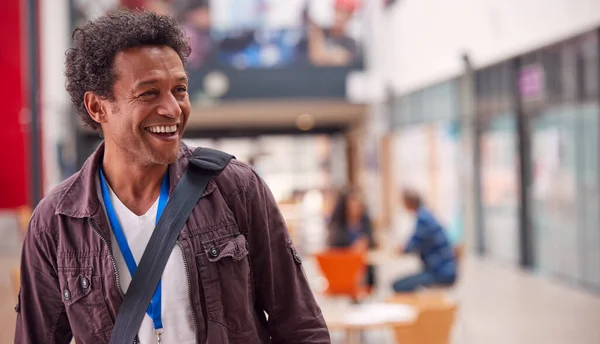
[67, 294]
[213, 252]
[297, 258]
[247, 245]
[85, 283]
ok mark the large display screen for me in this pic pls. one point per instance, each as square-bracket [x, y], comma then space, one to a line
[263, 48]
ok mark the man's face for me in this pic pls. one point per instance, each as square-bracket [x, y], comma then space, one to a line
[407, 203]
[151, 105]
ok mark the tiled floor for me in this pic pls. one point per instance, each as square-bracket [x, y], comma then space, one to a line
[501, 305]
[498, 305]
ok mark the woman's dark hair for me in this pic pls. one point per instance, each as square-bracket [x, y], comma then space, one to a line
[338, 223]
[89, 64]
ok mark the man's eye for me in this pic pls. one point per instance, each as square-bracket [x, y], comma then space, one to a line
[148, 94]
[181, 89]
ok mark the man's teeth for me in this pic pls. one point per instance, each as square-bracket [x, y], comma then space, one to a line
[162, 129]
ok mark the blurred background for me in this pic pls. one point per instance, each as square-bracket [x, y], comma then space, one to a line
[490, 109]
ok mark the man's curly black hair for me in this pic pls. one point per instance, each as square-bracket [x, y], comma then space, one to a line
[89, 64]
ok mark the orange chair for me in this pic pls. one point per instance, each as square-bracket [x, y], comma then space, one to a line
[344, 271]
[433, 325]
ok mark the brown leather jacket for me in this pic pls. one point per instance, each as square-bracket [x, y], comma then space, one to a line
[70, 284]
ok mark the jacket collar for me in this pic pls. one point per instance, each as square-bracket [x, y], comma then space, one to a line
[80, 198]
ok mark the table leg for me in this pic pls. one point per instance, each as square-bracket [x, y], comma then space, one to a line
[353, 336]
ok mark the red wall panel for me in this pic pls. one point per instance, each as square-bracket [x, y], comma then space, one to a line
[13, 174]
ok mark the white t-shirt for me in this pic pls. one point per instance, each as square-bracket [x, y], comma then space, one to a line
[177, 316]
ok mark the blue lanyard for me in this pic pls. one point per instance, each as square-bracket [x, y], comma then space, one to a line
[154, 309]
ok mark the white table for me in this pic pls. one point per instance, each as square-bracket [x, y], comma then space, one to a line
[353, 319]
[381, 256]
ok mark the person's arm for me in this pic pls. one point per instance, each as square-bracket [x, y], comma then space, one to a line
[366, 240]
[361, 244]
[417, 239]
[369, 235]
[41, 314]
[282, 288]
[319, 54]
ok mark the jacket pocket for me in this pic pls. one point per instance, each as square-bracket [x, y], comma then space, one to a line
[84, 301]
[224, 270]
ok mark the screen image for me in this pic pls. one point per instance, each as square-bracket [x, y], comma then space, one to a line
[258, 49]
[266, 33]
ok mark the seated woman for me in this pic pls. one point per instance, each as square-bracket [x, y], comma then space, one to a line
[350, 227]
[430, 242]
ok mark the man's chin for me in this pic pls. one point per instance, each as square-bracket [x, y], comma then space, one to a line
[163, 157]
[168, 158]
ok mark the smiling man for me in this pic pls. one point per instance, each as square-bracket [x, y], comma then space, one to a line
[234, 276]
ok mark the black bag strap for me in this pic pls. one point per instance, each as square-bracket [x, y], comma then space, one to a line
[205, 163]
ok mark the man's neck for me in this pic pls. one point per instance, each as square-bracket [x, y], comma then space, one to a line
[137, 186]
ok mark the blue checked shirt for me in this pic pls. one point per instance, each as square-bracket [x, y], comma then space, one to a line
[431, 242]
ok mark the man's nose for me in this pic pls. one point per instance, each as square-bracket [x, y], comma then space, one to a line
[169, 106]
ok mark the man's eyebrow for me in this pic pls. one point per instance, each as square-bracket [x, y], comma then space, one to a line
[148, 82]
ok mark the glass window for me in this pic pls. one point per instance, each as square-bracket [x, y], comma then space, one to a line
[551, 61]
[506, 87]
[453, 95]
[495, 84]
[568, 73]
[416, 107]
[483, 81]
[444, 100]
[500, 188]
[429, 110]
[591, 61]
[590, 190]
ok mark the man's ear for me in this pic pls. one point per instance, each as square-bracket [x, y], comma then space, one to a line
[96, 106]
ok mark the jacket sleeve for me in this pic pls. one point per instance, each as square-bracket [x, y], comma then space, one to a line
[282, 288]
[41, 316]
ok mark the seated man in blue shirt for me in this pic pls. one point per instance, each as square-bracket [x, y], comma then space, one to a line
[429, 240]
